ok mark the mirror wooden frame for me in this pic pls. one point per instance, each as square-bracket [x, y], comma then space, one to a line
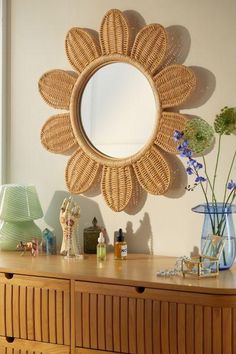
[62, 133]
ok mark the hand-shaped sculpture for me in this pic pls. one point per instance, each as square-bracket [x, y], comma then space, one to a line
[69, 218]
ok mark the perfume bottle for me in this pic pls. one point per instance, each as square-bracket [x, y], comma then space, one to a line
[49, 242]
[101, 248]
[120, 248]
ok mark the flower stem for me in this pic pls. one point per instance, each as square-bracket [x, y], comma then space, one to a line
[227, 179]
[208, 179]
[217, 162]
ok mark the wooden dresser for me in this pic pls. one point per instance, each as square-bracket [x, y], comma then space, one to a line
[51, 305]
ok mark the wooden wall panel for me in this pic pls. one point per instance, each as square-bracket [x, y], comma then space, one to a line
[147, 326]
[36, 309]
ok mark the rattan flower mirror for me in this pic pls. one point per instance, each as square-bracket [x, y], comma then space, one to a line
[171, 86]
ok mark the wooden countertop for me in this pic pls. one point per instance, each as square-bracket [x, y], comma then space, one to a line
[137, 270]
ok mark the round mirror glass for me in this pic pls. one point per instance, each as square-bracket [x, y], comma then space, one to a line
[118, 110]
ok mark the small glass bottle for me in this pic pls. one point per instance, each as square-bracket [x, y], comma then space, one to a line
[101, 248]
[49, 242]
[120, 248]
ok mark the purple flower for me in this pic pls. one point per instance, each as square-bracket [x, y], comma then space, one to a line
[196, 165]
[186, 153]
[189, 170]
[200, 179]
[231, 185]
[182, 146]
[178, 135]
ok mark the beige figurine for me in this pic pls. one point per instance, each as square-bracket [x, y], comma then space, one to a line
[69, 218]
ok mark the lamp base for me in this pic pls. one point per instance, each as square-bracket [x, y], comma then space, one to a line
[11, 233]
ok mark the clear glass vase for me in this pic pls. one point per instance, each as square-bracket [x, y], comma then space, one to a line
[218, 220]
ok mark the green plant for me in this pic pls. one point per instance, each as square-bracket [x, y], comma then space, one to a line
[196, 138]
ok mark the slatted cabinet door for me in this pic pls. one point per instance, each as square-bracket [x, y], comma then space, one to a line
[126, 319]
[35, 308]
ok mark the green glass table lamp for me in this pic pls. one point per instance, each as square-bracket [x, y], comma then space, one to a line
[19, 207]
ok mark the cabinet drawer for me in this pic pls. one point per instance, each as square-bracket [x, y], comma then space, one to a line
[20, 346]
[127, 319]
[35, 308]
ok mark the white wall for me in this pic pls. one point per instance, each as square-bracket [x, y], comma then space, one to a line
[37, 30]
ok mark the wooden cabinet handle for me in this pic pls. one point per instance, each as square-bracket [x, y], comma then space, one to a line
[10, 339]
[140, 289]
[9, 275]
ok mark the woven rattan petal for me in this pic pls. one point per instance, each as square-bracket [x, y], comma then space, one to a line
[114, 33]
[117, 186]
[57, 134]
[82, 47]
[81, 172]
[56, 87]
[169, 122]
[150, 46]
[174, 84]
[153, 172]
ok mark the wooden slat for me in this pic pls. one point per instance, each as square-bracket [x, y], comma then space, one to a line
[86, 322]
[140, 327]
[38, 314]
[181, 329]
[108, 323]
[124, 325]
[234, 331]
[199, 329]
[165, 327]
[156, 327]
[148, 325]
[227, 330]
[116, 324]
[190, 329]
[30, 313]
[23, 319]
[16, 308]
[72, 316]
[132, 326]
[45, 315]
[216, 327]
[93, 321]
[59, 316]
[9, 313]
[52, 317]
[101, 322]
[66, 315]
[207, 330]
[78, 320]
[2, 309]
[173, 328]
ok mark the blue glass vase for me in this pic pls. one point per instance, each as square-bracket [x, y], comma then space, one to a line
[218, 220]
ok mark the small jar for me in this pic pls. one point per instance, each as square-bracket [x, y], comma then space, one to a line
[91, 235]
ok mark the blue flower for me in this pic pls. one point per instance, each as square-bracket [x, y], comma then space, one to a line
[231, 185]
[200, 179]
[183, 146]
[186, 153]
[189, 170]
[193, 163]
[178, 135]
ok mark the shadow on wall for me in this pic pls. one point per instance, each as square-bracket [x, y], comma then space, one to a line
[140, 241]
[52, 215]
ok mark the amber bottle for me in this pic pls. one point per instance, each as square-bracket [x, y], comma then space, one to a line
[120, 247]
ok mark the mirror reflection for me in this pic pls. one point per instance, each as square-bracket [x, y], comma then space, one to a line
[118, 110]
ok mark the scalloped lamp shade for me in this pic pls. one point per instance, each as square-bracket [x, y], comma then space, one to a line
[19, 207]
